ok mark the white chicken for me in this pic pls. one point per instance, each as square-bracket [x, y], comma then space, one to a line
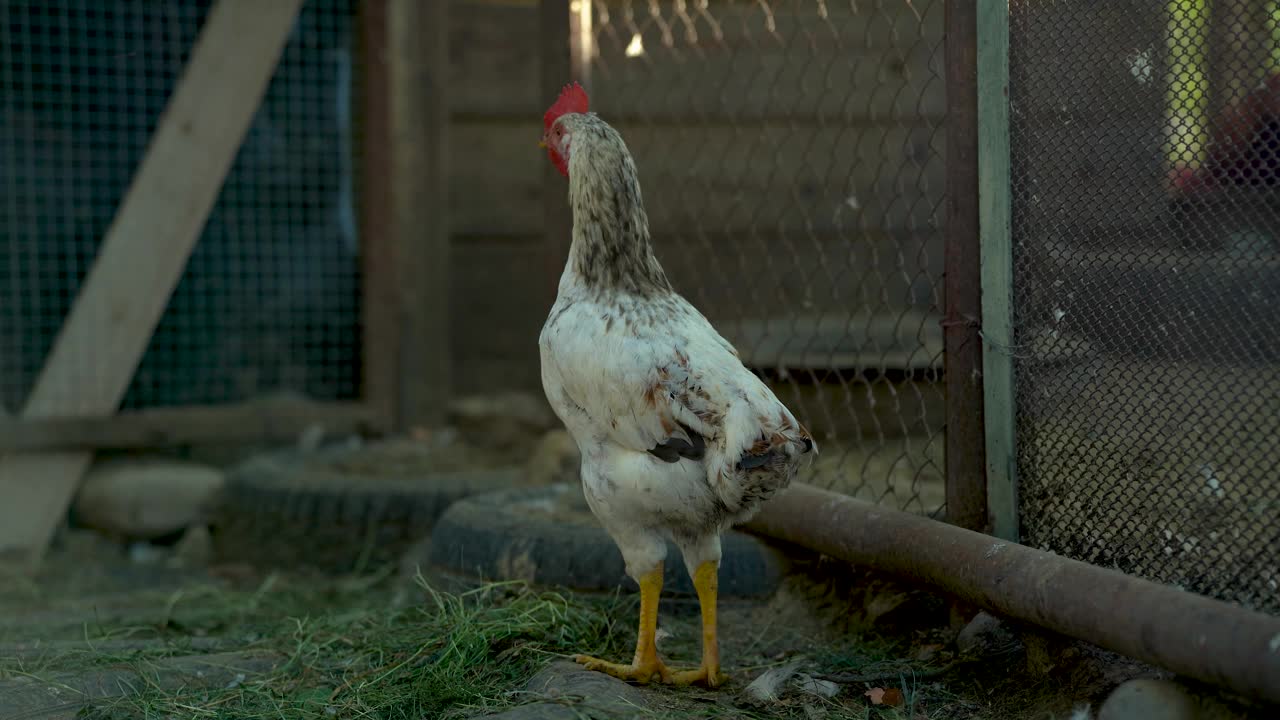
[678, 439]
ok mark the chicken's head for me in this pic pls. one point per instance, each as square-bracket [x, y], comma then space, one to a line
[556, 136]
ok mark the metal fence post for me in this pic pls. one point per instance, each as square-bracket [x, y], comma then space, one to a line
[997, 263]
[966, 477]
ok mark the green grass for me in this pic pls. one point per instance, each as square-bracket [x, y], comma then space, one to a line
[378, 647]
[356, 651]
[369, 647]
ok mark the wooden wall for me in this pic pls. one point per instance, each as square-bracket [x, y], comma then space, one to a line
[791, 162]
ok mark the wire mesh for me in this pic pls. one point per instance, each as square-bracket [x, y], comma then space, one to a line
[1147, 281]
[791, 157]
[269, 299]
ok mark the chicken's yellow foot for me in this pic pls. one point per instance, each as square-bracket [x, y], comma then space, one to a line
[646, 664]
[707, 582]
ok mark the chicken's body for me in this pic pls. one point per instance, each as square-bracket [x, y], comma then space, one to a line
[627, 376]
[678, 439]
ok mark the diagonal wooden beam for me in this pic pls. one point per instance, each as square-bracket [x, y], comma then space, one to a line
[143, 255]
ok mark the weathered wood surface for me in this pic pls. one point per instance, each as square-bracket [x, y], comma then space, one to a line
[724, 178]
[281, 419]
[789, 161]
[419, 67]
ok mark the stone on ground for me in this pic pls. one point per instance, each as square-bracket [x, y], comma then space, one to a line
[571, 692]
[1148, 699]
[145, 498]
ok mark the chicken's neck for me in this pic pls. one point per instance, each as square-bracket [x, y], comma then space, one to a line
[611, 248]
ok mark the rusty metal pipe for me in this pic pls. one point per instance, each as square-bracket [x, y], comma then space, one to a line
[1200, 638]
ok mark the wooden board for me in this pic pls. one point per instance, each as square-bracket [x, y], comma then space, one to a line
[499, 304]
[379, 299]
[816, 114]
[417, 63]
[143, 255]
[722, 179]
[798, 167]
[499, 300]
[493, 60]
[279, 419]
[862, 60]
[994, 197]
[786, 60]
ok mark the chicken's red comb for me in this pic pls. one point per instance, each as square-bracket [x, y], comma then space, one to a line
[573, 99]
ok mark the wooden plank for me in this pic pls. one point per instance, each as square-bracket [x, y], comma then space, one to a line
[492, 70]
[266, 420]
[856, 339]
[417, 65]
[997, 265]
[143, 254]
[500, 300]
[867, 98]
[731, 279]
[869, 60]
[380, 340]
[743, 60]
[966, 482]
[719, 179]
[538, 181]
[731, 276]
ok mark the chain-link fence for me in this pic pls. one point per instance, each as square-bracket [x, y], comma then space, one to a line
[791, 155]
[269, 300]
[1147, 281]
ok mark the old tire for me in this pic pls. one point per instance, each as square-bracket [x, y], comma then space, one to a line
[335, 512]
[547, 536]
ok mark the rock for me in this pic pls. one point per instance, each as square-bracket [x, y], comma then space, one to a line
[1048, 652]
[145, 498]
[555, 460]
[985, 635]
[195, 547]
[520, 407]
[63, 694]
[504, 424]
[575, 693]
[1148, 699]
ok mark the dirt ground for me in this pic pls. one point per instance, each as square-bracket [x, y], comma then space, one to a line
[152, 633]
[108, 630]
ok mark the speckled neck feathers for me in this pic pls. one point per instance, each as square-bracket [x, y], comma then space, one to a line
[611, 247]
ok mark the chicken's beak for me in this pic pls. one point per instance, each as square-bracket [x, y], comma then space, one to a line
[542, 142]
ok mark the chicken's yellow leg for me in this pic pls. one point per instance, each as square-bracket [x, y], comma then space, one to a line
[646, 663]
[706, 581]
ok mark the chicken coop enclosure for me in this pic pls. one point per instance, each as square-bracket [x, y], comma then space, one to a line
[1069, 207]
